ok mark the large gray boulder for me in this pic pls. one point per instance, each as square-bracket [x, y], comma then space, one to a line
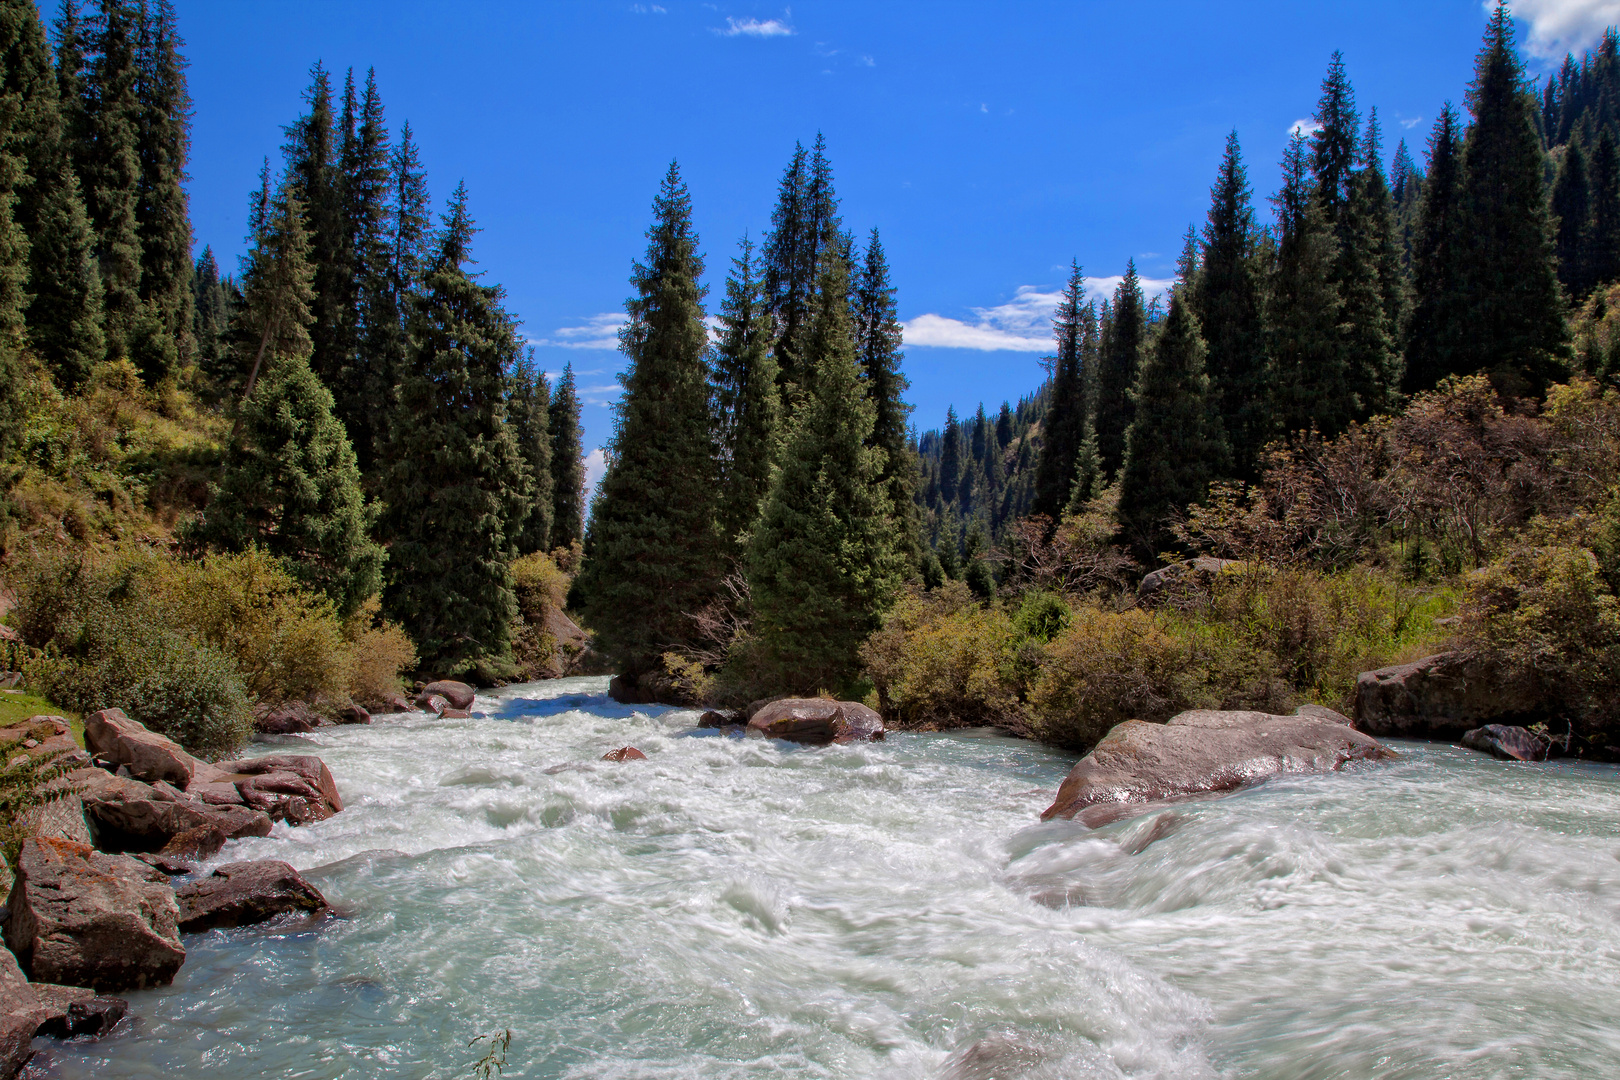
[21, 1013]
[817, 721]
[243, 893]
[148, 756]
[1200, 752]
[458, 694]
[1508, 742]
[81, 917]
[1438, 697]
[127, 815]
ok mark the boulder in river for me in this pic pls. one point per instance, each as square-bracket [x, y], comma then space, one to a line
[1438, 697]
[82, 917]
[432, 703]
[624, 753]
[458, 694]
[288, 718]
[1507, 742]
[244, 893]
[1201, 752]
[295, 788]
[127, 815]
[817, 721]
[111, 735]
[455, 714]
[354, 714]
[76, 1011]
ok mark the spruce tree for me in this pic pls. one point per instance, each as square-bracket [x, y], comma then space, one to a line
[163, 143]
[63, 309]
[787, 290]
[567, 464]
[456, 482]
[528, 409]
[747, 401]
[1602, 255]
[1370, 284]
[1227, 299]
[822, 567]
[1515, 313]
[1406, 189]
[311, 152]
[104, 147]
[367, 381]
[1116, 374]
[1333, 147]
[211, 311]
[1066, 425]
[1174, 446]
[1435, 338]
[653, 553]
[290, 485]
[1572, 207]
[1304, 336]
[950, 458]
[878, 359]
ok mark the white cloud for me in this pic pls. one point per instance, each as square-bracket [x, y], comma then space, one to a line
[641, 9]
[595, 467]
[1306, 126]
[598, 332]
[868, 61]
[1561, 26]
[755, 28]
[1022, 324]
[1412, 123]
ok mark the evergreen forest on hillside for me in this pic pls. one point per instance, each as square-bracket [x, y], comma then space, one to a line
[1380, 419]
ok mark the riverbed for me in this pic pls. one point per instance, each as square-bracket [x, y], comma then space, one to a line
[736, 908]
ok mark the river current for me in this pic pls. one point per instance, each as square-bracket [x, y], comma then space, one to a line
[736, 908]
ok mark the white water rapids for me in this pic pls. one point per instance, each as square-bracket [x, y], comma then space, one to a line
[746, 908]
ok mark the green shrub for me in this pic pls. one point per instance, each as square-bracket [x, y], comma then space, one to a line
[381, 650]
[943, 659]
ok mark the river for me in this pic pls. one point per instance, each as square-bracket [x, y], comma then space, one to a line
[746, 908]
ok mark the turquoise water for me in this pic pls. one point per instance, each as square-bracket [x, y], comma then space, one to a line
[743, 908]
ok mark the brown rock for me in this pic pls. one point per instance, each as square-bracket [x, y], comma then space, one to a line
[273, 784]
[817, 721]
[288, 718]
[715, 719]
[74, 1011]
[1437, 697]
[41, 736]
[84, 918]
[21, 1013]
[194, 845]
[458, 694]
[127, 815]
[243, 893]
[1322, 712]
[626, 690]
[394, 703]
[1201, 569]
[455, 714]
[149, 756]
[624, 753]
[432, 703]
[1507, 742]
[1200, 752]
[354, 714]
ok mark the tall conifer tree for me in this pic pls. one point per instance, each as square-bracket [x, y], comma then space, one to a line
[528, 409]
[1174, 446]
[1515, 313]
[1572, 207]
[1370, 283]
[1303, 310]
[1434, 344]
[456, 481]
[822, 566]
[1119, 362]
[163, 145]
[878, 358]
[567, 464]
[1333, 147]
[1226, 298]
[747, 400]
[1066, 424]
[652, 549]
[312, 162]
[1602, 254]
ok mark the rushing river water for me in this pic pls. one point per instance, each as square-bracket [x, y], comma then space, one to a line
[745, 908]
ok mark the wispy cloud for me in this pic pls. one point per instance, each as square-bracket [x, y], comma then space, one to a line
[1412, 123]
[598, 332]
[754, 28]
[645, 9]
[1306, 126]
[1022, 324]
[1561, 26]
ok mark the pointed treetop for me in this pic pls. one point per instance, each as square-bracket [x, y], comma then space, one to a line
[455, 237]
[1187, 262]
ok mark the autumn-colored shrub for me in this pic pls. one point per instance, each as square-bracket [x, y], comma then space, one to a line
[944, 659]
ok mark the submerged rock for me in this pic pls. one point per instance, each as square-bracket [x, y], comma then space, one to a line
[624, 753]
[817, 721]
[244, 893]
[1198, 752]
[455, 714]
[432, 703]
[81, 917]
[458, 694]
[75, 1011]
[1438, 697]
[1507, 742]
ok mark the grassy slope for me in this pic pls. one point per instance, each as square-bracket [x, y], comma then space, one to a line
[17, 707]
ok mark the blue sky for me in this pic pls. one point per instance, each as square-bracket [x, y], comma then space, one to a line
[989, 143]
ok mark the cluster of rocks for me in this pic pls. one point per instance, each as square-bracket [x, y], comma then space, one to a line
[813, 721]
[110, 878]
[446, 698]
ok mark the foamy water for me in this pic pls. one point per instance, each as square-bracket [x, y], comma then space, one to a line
[746, 908]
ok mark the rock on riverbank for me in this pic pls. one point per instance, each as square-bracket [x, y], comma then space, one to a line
[1201, 752]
